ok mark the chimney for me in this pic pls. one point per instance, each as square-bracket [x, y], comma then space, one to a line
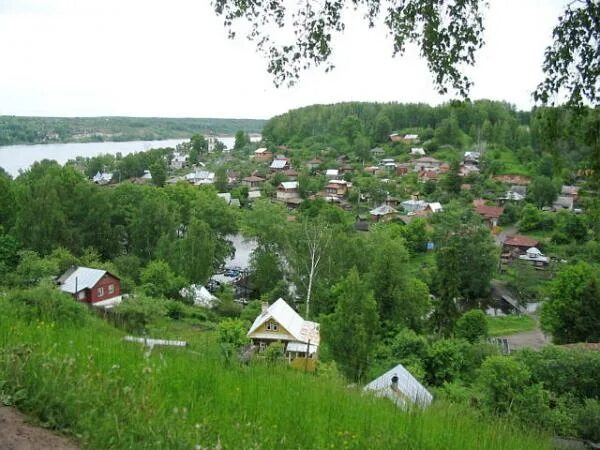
[264, 306]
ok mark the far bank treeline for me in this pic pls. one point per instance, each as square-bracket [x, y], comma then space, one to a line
[42, 130]
[562, 133]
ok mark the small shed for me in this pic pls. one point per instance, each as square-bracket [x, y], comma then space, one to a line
[400, 387]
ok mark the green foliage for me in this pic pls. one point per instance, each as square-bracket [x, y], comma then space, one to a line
[274, 352]
[182, 398]
[159, 280]
[159, 173]
[446, 360]
[542, 191]
[572, 312]
[137, 313]
[42, 130]
[232, 332]
[46, 303]
[502, 379]
[350, 332]
[588, 420]
[472, 326]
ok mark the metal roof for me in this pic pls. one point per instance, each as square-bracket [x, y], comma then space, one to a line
[400, 386]
[278, 164]
[301, 330]
[289, 184]
[383, 210]
[81, 278]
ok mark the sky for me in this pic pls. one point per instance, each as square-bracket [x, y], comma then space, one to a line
[173, 59]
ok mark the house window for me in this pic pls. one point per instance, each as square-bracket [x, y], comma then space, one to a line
[81, 295]
[100, 291]
[272, 326]
[111, 288]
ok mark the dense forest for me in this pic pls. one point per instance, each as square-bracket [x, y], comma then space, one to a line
[41, 130]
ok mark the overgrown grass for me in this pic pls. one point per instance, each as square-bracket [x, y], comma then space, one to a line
[115, 395]
[505, 325]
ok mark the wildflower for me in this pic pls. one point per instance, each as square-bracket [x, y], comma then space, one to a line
[147, 370]
[197, 427]
[198, 447]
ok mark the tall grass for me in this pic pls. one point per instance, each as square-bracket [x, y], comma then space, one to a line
[114, 395]
[506, 325]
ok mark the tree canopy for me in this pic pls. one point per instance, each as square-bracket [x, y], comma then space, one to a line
[448, 33]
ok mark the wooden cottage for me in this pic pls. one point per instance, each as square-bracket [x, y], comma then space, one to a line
[280, 323]
[95, 286]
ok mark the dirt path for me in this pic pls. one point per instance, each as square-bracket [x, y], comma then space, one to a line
[17, 434]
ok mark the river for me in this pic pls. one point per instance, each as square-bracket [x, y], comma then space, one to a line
[14, 158]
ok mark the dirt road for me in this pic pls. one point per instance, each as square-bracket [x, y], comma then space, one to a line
[17, 434]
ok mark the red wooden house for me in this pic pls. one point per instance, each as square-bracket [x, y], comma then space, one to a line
[95, 286]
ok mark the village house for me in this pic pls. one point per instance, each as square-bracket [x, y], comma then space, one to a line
[314, 164]
[383, 213]
[94, 286]
[515, 246]
[467, 169]
[395, 137]
[428, 175]
[291, 174]
[102, 178]
[200, 177]
[332, 174]
[287, 192]
[417, 151]
[426, 163]
[337, 187]
[253, 182]
[402, 169]
[232, 177]
[490, 214]
[371, 169]
[280, 323]
[563, 202]
[377, 152]
[412, 206]
[392, 201]
[471, 158]
[178, 161]
[345, 168]
[279, 165]
[570, 191]
[262, 155]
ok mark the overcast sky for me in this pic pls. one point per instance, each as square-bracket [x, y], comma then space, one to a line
[173, 59]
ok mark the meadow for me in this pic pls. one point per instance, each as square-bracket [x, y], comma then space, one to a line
[80, 378]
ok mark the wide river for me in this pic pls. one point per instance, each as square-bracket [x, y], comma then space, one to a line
[14, 158]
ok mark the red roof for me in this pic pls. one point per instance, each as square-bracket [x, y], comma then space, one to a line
[520, 241]
[489, 212]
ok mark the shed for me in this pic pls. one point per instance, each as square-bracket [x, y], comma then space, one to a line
[400, 387]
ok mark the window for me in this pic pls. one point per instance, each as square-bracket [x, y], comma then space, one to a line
[100, 292]
[272, 326]
[111, 288]
[81, 295]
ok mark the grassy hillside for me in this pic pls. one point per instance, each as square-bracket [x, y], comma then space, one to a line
[86, 381]
[36, 130]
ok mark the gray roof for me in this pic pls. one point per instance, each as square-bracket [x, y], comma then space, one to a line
[278, 164]
[383, 210]
[80, 278]
[400, 387]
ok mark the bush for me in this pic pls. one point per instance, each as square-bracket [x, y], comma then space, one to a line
[274, 352]
[588, 420]
[502, 379]
[137, 313]
[472, 326]
[46, 303]
[445, 361]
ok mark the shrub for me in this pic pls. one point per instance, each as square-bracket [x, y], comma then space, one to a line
[274, 352]
[46, 303]
[445, 360]
[588, 420]
[137, 313]
[502, 379]
[472, 326]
